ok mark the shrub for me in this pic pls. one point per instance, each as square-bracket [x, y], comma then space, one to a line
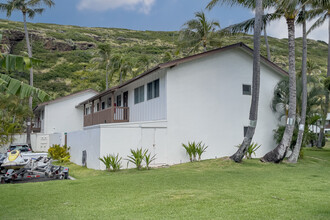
[59, 153]
[148, 159]
[201, 148]
[111, 161]
[252, 150]
[136, 157]
[193, 148]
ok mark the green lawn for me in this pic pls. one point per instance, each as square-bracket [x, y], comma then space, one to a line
[212, 189]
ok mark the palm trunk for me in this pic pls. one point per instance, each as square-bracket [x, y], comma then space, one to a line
[328, 70]
[266, 42]
[278, 154]
[29, 122]
[324, 117]
[296, 150]
[320, 138]
[238, 156]
[106, 78]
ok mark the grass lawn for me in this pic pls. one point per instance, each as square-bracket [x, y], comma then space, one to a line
[211, 189]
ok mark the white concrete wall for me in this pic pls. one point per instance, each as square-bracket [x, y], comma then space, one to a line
[105, 139]
[39, 141]
[89, 140]
[63, 116]
[205, 103]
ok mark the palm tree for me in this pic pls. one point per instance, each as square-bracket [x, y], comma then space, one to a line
[199, 32]
[258, 5]
[13, 112]
[321, 9]
[28, 8]
[290, 10]
[296, 150]
[315, 98]
[248, 25]
[121, 66]
[104, 60]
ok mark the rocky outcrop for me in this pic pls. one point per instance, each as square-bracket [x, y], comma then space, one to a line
[52, 44]
[85, 45]
[12, 37]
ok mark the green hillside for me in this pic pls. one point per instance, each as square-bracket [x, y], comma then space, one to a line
[68, 50]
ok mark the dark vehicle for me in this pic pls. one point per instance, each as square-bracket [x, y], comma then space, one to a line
[23, 148]
[2, 158]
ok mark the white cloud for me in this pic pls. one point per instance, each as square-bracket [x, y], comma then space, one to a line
[143, 6]
[279, 29]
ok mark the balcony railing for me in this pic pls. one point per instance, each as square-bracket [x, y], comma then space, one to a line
[36, 127]
[109, 115]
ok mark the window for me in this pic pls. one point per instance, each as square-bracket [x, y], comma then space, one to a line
[98, 107]
[103, 105]
[139, 95]
[153, 89]
[119, 100]
[246, 89]
[245, 130]
[87, 110]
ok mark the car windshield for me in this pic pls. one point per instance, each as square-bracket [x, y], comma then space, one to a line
[19, 147]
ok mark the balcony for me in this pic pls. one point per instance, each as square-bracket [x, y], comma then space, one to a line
[36, 127]
[106, 116]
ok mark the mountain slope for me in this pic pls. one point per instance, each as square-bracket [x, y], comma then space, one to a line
[67, 52]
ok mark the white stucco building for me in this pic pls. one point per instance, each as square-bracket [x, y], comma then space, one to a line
[61, 115]
[205, 97]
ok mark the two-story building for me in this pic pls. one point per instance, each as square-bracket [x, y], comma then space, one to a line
[205, 97]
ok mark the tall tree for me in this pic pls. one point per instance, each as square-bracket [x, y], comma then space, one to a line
[121, 66]
[321, 9]
[238, 156]
[199, 32]
[28, 8]
[289, 9]
[296, 150]
[104, 60]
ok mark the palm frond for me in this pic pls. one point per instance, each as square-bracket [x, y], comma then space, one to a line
[317, 23]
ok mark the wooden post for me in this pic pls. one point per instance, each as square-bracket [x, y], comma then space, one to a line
[92, 112]
[112, 112]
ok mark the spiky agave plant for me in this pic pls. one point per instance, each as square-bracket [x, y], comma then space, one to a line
[200, 149]
[252, 150]
[136, 157]
[106, 160]
[148, 159]
[188, 151]
[115, 162]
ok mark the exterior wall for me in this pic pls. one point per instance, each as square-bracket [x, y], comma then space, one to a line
[63, 116]
[207, 104]
[148, 110]
[101, 140]
[39, 142]
[89, 140]
[203, 104]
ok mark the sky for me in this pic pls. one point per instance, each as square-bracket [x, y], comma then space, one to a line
[157, 15]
